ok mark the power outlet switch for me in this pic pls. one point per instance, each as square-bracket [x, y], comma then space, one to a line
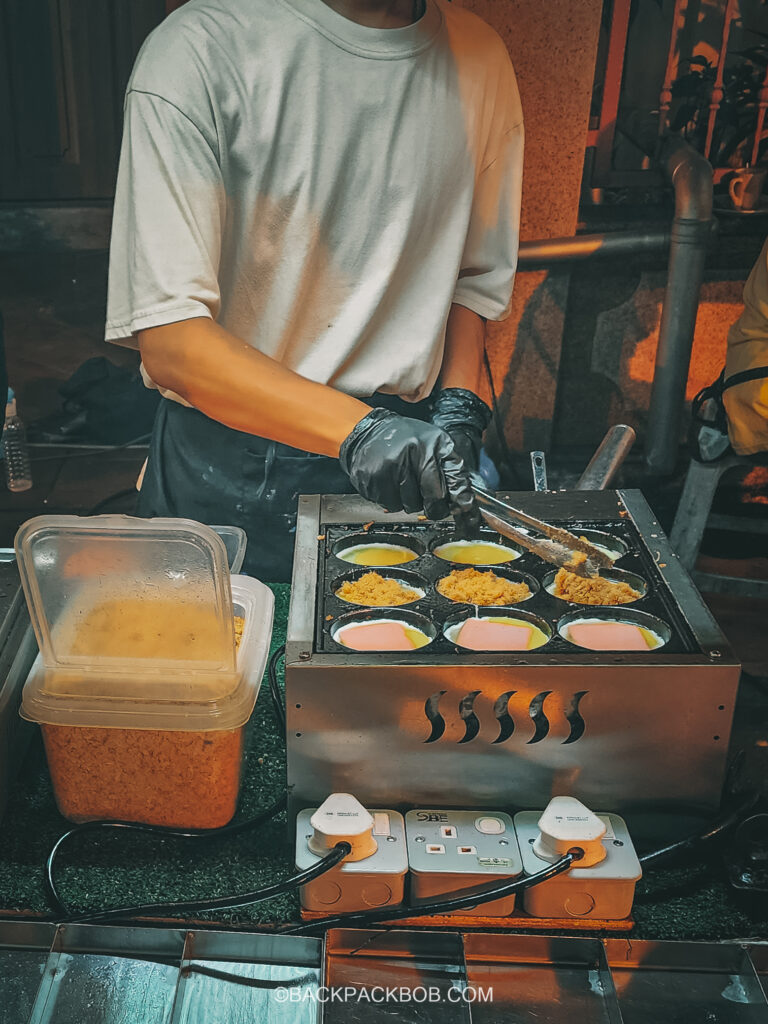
[474, 850]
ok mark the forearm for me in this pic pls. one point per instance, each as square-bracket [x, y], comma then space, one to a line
[231, 382]
[463, 355]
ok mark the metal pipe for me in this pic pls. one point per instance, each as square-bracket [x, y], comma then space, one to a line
[584, 247]
[608, 458]
[691, 177]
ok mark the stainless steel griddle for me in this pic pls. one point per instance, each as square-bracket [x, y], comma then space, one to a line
[642, 734]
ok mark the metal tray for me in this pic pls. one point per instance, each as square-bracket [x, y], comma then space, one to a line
[111, 975]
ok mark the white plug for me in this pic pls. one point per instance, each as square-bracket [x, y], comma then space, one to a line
[342, 818]
[567, 823]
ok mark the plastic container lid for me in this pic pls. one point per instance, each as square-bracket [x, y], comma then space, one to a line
[235, 542]
[201, 709]
[122, 606]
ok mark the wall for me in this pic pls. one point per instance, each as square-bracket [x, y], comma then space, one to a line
[613, 318]
[64, 65]
[553, 48]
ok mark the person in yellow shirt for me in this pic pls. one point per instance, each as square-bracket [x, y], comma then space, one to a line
[745, 393]
[731, 415]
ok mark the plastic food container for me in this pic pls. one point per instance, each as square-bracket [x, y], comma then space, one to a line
[139, 690]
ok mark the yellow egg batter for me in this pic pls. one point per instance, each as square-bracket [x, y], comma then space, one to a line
[378, 555]
[475, 552]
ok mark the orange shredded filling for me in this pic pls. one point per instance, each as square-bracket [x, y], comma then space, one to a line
[471, 586]
[375, 590]
[593, 591]
[577, 557]
[156, 776]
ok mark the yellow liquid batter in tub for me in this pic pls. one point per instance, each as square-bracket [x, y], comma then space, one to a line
[146, 629]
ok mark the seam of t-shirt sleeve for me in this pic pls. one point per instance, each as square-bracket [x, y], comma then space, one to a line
[508, 132]
[489, 310]
[157, 317]
[170, 103]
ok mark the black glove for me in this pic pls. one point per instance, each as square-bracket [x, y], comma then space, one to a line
[464, 416]
[404, 464]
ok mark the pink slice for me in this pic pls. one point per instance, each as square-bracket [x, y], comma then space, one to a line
[376, 636]
[482, 635]
[607, 636]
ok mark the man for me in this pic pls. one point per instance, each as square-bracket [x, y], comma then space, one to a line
[317, 208]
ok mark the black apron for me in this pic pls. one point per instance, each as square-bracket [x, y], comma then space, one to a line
[199, 469]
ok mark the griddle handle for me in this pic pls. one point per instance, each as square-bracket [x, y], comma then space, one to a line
[608, 458]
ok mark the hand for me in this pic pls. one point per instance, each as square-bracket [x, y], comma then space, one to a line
[464, 417]
[404, 464]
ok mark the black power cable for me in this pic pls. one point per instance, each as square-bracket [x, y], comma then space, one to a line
[241, 979]
[92, 452]
[246, 899]
[716, 830]
[49, 880]
[463, 900]
[274, 686]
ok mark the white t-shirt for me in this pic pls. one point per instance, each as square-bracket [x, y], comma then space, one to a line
[322, 189]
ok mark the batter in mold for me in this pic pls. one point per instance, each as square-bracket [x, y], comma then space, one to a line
[377, 555]
[475, 552]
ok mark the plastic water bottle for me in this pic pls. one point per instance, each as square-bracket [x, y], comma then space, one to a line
[18, 468]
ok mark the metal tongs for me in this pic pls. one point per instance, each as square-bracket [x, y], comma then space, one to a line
[555, 545]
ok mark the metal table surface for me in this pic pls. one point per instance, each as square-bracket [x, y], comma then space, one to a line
[109, 975]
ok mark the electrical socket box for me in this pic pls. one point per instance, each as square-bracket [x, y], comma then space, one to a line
[605, 890]
[376, 881]
[449, 851]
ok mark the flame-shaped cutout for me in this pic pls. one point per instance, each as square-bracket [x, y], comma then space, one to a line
[467, 712]
[501, 711]
[540, 720]
[574, 719]
[435, 718]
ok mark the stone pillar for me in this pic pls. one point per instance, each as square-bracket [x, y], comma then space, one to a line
[553, 47]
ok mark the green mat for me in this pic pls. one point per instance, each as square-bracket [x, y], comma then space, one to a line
[97, 872]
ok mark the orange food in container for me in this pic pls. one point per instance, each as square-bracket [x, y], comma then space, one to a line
[145, 682]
